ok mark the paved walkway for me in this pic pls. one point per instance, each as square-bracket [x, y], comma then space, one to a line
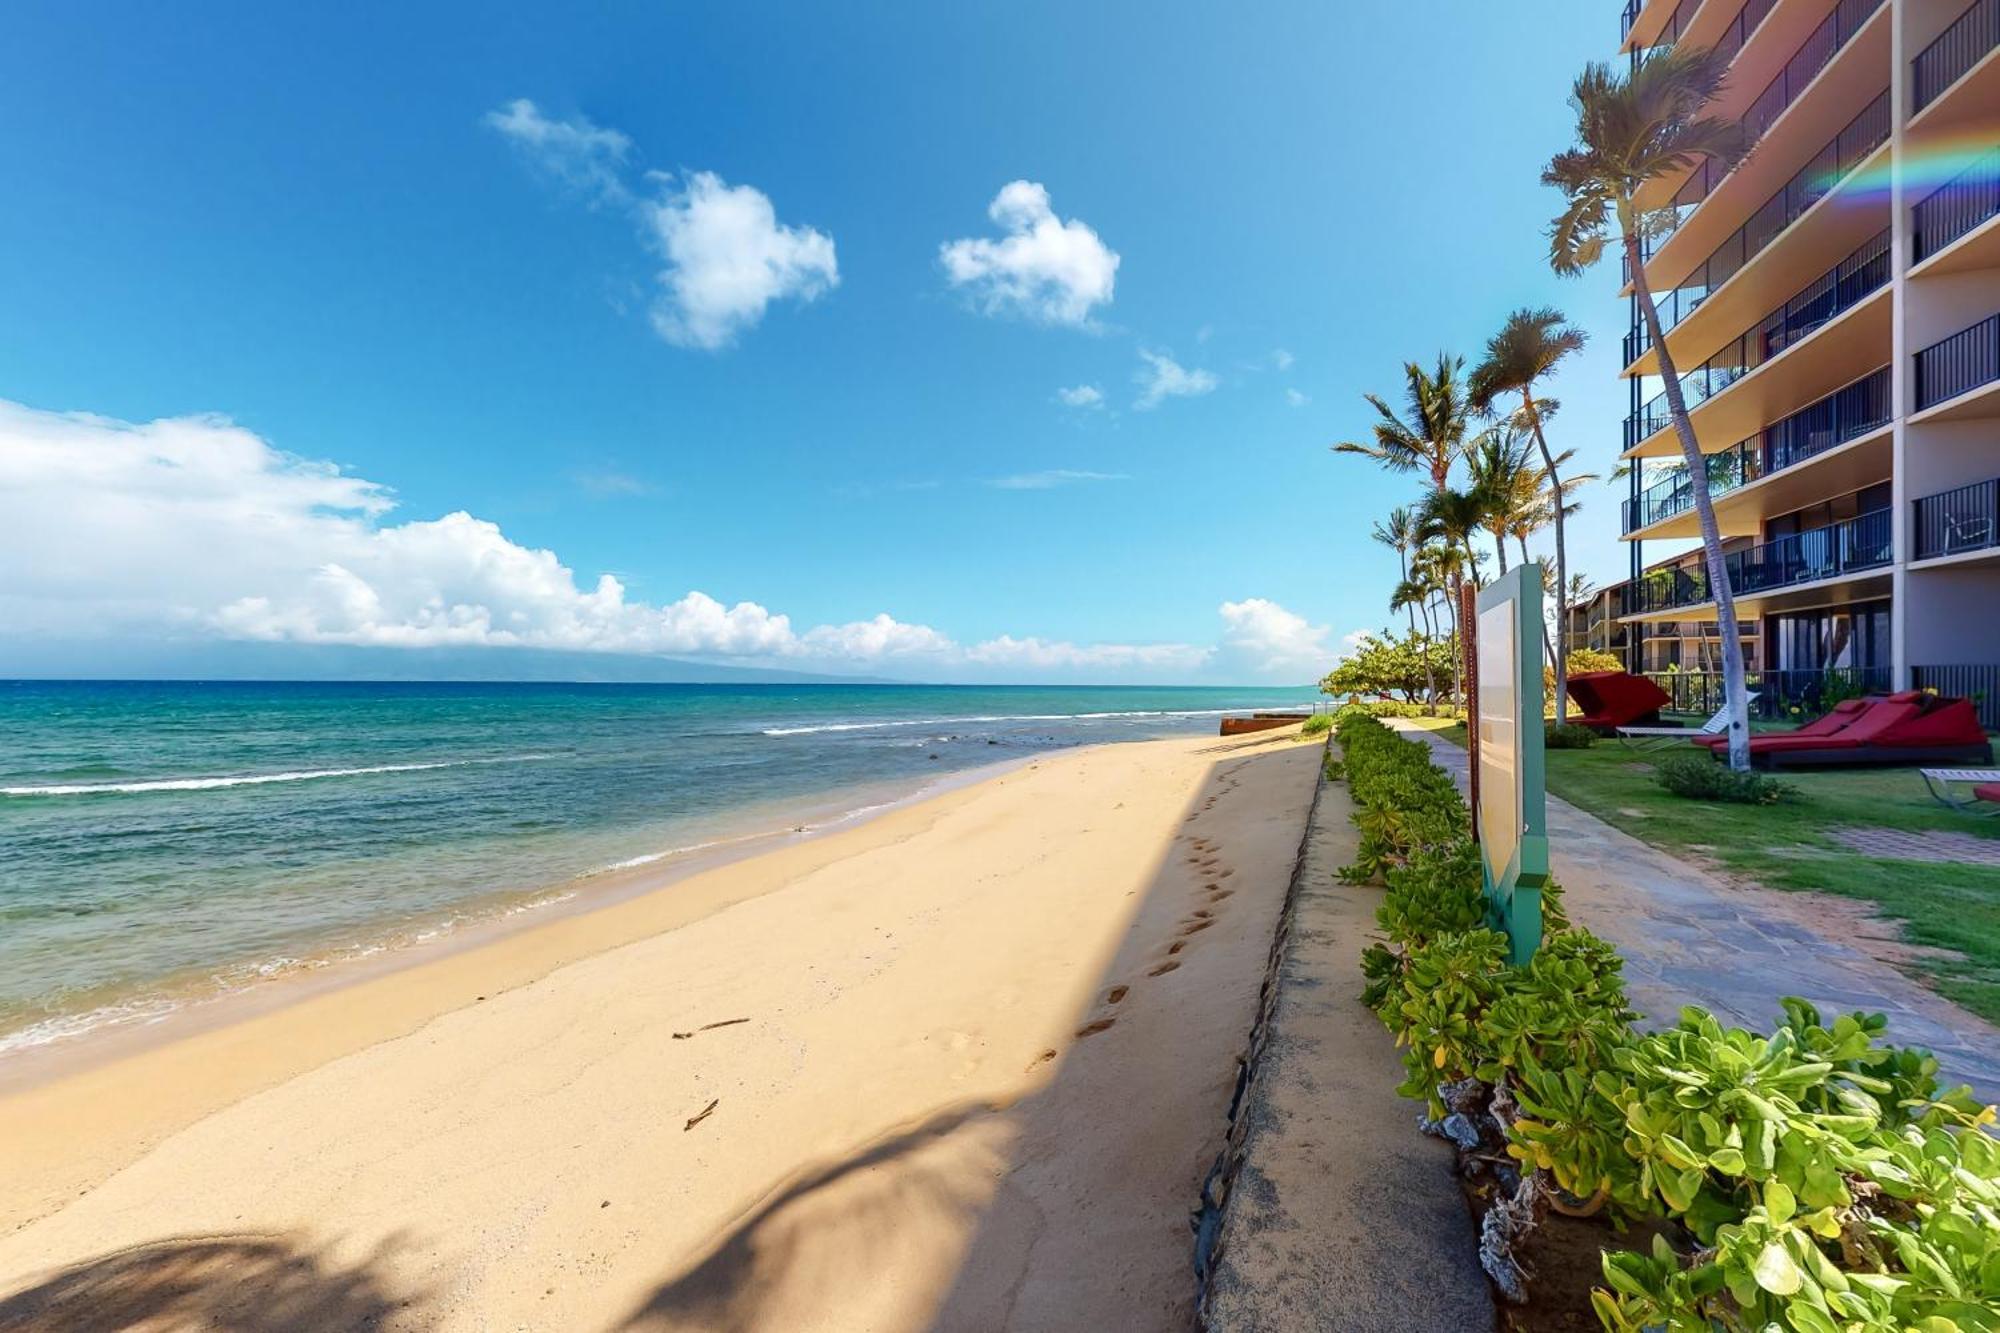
[1937, 846]
[1690, 938]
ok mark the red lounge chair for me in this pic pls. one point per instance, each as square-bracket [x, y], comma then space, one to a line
[1835, 720]
[1906, 728]
[1614, 699]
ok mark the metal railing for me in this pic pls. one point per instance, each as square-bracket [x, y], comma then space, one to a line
[1862, 136]
[1833, 293]
[1965, 518]
[1959, 364]
[1738, 465]
[1979, 682]
[1815, 53]
[1858, 544]
[1780, 694]
[1628, 18]
[1956, 207]
[1957, 49]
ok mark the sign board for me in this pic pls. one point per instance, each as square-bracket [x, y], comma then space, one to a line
[1510, 796]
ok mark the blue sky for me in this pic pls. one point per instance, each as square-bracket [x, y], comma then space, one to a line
[338, 229]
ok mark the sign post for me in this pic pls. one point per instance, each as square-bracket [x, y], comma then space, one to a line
[1511, 796]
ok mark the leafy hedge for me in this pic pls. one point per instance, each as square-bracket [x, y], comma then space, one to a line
[1699, 777]
[1812, 1180]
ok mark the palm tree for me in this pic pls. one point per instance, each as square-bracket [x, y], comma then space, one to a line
[1526, 351]
[1632, 130]
[1400, 535]
[1510, 486]
[1411, 596]
[1430, 439]
[1451, 519]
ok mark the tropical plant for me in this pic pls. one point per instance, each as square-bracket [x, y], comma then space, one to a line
[1634, 129]
[1509, 485]
[1521, 356]
[1399, 533]
[1699, 778]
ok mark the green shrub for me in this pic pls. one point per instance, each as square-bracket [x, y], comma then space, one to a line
[1825, 1180]
[1699, 777]
[1568, 736]
[1317, 725]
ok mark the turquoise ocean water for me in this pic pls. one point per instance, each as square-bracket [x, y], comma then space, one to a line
[161, 842]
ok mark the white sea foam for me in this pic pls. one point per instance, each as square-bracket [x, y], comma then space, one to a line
[251, 779]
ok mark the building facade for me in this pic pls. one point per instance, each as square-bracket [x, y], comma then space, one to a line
[1833, 306]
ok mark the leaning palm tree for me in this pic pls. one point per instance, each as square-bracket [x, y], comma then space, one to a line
[1412, 595]
[1398, 533]
[1526, 351]
[1634, 129]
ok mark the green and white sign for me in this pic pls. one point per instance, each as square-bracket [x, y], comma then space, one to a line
[1508, 783]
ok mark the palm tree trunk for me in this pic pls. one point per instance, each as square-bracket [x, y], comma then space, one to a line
[1403, 563]
[1430, 673]
[1500, 546]
[1562, 555]
[1735, 692]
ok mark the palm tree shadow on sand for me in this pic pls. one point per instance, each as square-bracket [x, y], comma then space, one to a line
[228, 1284]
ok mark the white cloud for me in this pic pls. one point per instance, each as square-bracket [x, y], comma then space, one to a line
[1052, 477]
[585, 157]
[1083, 395]
[728, 257]
[1281, 359]
[1044, 268]
[1295, 398]
[1162, 378]
[194, 527]
[1264, 637]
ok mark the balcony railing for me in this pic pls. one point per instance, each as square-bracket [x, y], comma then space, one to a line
[1978, 682]
[1847, 150]
[1830, 295]
[1966, 518]
[1959, 364]
[1780, 694]
[1738, 465]
[1956, 207]
[1803, 557]
[1628, 18]
[1956, 50]
[1815, 53]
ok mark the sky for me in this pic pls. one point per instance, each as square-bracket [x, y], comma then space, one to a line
[966, 342]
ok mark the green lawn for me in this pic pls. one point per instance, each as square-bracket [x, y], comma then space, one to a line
[1785, 846]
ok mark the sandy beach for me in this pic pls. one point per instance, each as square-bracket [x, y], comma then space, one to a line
[960, 1067]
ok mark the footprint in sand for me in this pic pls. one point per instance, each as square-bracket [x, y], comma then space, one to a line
[1041, 1059]
[1219, 894]
[1196, 927]
[1164, 968]
[1092, 1029]
[1176, 946]
[1202, 914]
[1224, 874]
[1115, 994]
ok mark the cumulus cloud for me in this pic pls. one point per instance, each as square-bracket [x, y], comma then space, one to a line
[196, 527]
[1295, 398]
[1162, 378]
[584, 157]
[1270, 640]
[1043, 268]
[728, 257]
[1051, 478]
[1083, 395]
[1281, 359]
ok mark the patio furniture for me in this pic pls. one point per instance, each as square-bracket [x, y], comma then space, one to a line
[1659, 738]
[1906, 728]
[1613, 699]
[1985, 784]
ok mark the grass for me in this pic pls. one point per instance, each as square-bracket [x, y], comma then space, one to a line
[1786, 846]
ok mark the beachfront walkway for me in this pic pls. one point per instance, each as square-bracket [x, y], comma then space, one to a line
[1690, 938]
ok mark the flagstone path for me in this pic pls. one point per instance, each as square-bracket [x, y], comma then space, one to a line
[1691, 938]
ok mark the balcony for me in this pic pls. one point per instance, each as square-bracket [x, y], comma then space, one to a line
[1957, 208]
[1959, 365]
[1814, 54]
[1842, 416]
[1828, 297]
[1957, 49]
[1813, 556]
[1958, 522]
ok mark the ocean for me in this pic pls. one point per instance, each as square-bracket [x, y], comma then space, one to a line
[164, 843]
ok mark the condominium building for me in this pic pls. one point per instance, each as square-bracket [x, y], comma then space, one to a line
[1833, 306]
